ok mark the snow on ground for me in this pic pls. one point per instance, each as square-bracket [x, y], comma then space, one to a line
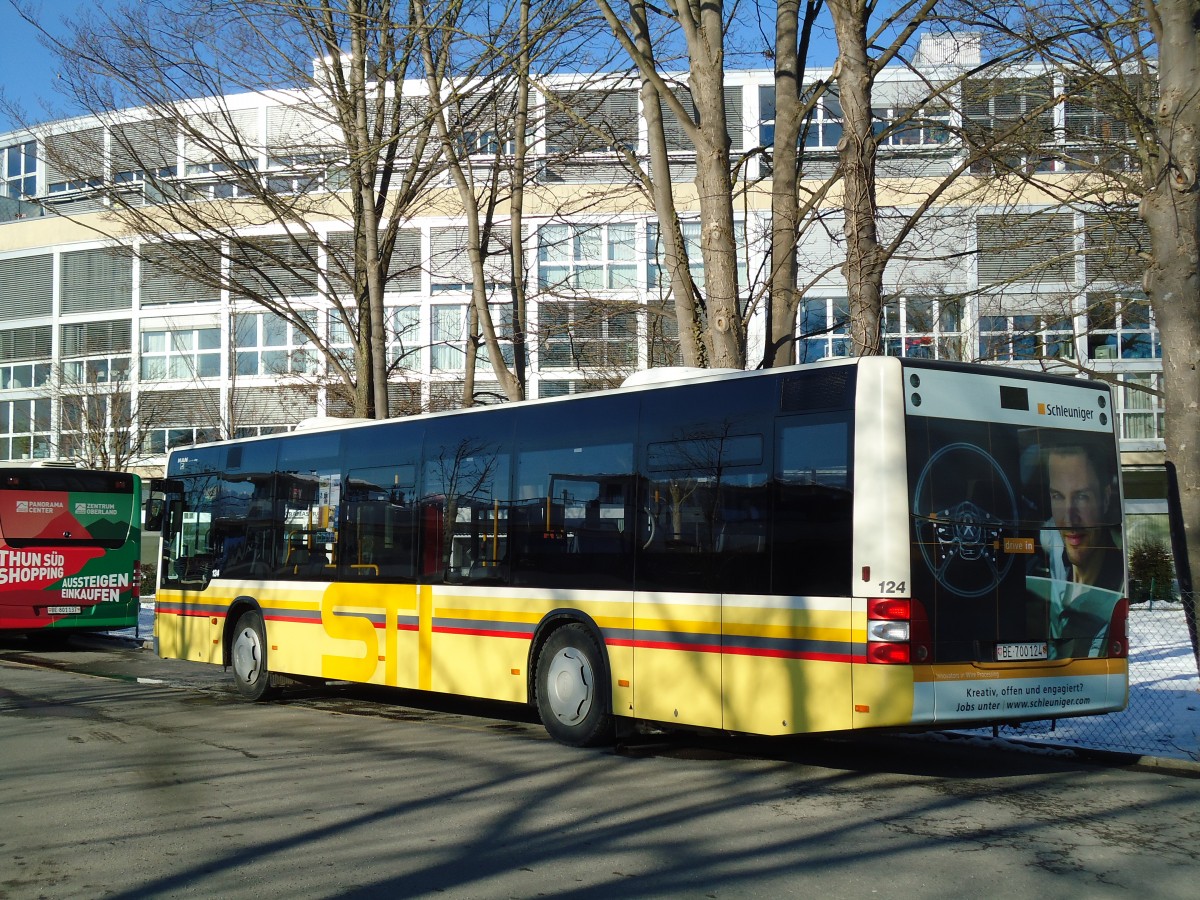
[1163, 716]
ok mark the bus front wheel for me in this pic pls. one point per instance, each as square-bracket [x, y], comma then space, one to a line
[572, 688]
[249, 655]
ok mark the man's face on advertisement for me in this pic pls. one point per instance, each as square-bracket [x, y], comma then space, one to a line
[1078, 502]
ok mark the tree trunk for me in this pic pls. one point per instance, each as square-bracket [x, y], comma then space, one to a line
[784, 298]
[520, 309]
[865, 260]
[369, 222]
[1171, 210]
[683, 289]
[476, 239]
[703, 26]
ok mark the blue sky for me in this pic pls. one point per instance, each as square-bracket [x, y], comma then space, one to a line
[26, 67]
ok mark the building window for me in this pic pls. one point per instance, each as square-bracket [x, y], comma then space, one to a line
[404, 338]
[1014, 338]
[267, 344]
[823, 128]
[247, 431]
[450, 333]
[95, 425]
[899, 126]
[662, 333]
[24, 375]
[824, 329]
[18, 170]
[1141, 407]
[181, 355]
[587, 257]
[448, 336]
[1004, 117]
[657, 276]
[25, 429]
[1121, 329]
[403, 335]
[158, 441]
[98, 370]
[586, 336]
[341, 338]
[922, 328]
[95, 353]
[564, 388]
[1094, 137]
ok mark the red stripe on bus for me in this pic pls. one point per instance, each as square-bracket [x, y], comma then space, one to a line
[615, 642]
[482, 632]
[739, 651]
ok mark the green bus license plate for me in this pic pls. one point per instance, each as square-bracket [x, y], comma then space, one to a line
[1011, 652]
[63, 610]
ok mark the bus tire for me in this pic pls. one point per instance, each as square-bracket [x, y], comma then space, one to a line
[573, 688]
[248, 653]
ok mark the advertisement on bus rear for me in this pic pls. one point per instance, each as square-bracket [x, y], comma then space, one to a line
[62, 553]
[1016, 511]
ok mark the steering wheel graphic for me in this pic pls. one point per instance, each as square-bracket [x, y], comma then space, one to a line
[964, 505]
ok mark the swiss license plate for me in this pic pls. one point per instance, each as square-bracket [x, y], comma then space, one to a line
[1010, 652]
[63, 610]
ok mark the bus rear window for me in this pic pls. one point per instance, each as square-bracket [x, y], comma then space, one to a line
[82, 508]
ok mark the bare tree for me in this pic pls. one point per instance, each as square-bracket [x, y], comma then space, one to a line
[702, 28]
[793, 103]
[346, 144]
[1171, 210]
[479, 80]
[1127, 73]
[99, 425]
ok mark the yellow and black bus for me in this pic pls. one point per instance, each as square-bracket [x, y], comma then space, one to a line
[863, 543]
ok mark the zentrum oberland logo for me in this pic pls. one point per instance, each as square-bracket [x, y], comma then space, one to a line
[1065, 412]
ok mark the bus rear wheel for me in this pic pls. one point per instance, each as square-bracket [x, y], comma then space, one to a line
[572, 688]
[249, 655]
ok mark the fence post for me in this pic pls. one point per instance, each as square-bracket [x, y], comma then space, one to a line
[1183, 568]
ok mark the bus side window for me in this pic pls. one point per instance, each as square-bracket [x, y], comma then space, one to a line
[706, 509]
[813, 506]
[378, 530]
[572, 521]
[466, 498]
[309, 492]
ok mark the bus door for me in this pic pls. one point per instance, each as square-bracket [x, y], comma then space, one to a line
[704, 517]
[786, 606]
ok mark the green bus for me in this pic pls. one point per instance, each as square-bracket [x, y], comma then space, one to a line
[69, 548]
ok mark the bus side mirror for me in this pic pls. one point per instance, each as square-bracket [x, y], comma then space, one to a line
[156, 510]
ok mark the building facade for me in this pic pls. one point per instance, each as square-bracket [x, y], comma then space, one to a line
[101, 341]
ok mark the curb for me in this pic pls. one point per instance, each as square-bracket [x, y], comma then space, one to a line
[1181, 768]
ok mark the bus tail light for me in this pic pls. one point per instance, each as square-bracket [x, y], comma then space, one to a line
[897, 631]
[1118, 633]
[137, 580]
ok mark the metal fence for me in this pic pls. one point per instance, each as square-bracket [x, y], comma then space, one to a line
[1163, 716]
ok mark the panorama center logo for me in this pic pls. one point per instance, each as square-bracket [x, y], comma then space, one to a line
[42, 507]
